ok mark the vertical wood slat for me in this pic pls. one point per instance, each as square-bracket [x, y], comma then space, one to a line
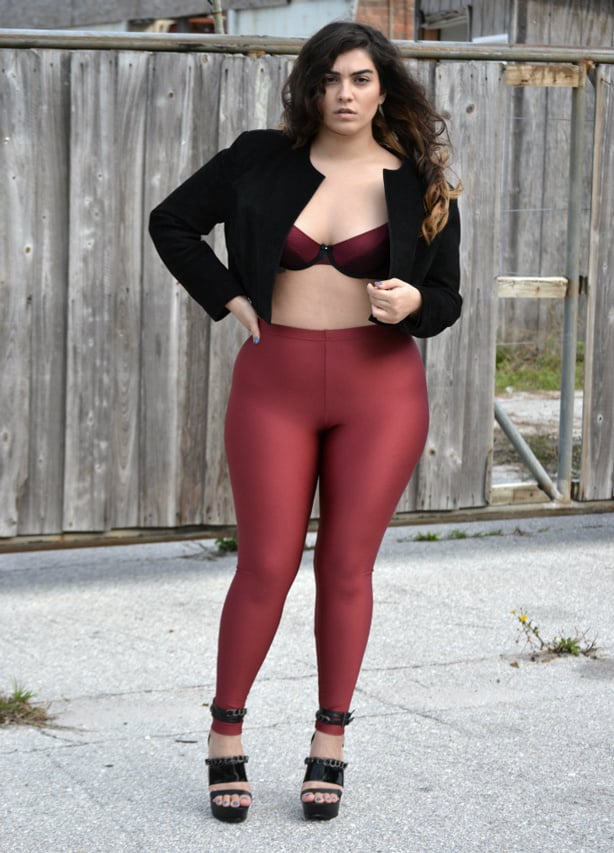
[455, 467]
[195, 325]
[168, 162]
[18, 141]
[40, 507]
[126, 289]
[489, 19]
[597, 25]
[424, 72]
[91, 282]
[597, 476]
[226, 335]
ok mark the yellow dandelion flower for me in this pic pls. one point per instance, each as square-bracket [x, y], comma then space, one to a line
[523, 618]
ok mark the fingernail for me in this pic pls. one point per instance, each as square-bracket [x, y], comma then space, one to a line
[377, 283]
[256, 340]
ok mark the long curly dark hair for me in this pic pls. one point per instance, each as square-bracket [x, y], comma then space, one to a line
[407, 123]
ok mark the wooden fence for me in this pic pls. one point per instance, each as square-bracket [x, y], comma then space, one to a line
[114, 383]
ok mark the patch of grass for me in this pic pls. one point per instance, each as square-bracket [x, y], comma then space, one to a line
[525, 367]
[457, 534]
[427, 537]
[567, 646]
[226, 544]
[484, 534]
[17, 709]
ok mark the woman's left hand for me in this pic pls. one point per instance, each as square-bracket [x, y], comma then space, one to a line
[393, 300]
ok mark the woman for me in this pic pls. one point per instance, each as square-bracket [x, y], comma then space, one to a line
[342, 236]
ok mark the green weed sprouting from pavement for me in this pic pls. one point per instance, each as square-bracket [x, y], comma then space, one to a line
[427, 537]
[530, 635]
[484, 534]
[226, 544]
[17, 709]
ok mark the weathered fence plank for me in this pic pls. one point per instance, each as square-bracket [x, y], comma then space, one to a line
[40, 508]
[127, 290]
[424, 72]
[454, 471]
[195, 326]
[19, 84]
[168, 162]
[32, 291]
[92, 241]
[227, 335]
[597, 477]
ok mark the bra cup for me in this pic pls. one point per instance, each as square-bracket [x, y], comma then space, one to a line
[364, 256]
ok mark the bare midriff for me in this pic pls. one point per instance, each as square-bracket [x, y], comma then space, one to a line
[349, 202]
[320, 297]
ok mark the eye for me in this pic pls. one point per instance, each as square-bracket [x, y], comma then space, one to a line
[363, 79]
[329, 79]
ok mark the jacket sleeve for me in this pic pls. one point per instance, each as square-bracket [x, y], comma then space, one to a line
[439, 283]
[178, 223]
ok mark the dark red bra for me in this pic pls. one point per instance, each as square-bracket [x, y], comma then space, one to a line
[366, 255]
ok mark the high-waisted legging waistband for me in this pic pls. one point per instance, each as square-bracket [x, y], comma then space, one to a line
[365, 333]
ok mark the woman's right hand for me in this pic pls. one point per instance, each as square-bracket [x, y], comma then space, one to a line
[243, 310]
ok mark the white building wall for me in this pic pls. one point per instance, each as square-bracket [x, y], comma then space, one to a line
[300, 18]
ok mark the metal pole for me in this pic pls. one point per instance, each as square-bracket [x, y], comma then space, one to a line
[570, 323]
[525, 453]
[218, 20]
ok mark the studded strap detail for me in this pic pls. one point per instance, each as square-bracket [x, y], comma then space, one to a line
[327, 762]
[228, 760]
[334, 718]
[227, 715]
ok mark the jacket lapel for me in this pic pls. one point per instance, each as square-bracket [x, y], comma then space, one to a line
[292, 185]
[404, 194]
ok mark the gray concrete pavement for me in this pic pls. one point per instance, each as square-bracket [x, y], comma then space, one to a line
[460, 743]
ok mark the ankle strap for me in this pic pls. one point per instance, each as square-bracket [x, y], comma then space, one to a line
[334, 718]
[227, 715]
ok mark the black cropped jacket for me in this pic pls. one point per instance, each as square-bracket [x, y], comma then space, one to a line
[257, 188]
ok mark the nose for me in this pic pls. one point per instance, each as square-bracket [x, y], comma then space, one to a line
[345, 90]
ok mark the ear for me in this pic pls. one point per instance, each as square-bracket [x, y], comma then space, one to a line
[382, 97]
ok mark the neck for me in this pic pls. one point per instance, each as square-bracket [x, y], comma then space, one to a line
[330, 146]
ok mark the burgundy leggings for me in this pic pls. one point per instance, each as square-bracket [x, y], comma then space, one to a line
[348, 407]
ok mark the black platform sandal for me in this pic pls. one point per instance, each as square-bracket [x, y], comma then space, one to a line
[329, 770]
[226, 770]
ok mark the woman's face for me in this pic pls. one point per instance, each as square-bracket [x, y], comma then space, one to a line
[352, 94]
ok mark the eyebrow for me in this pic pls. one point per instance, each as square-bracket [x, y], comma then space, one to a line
[353, 73]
